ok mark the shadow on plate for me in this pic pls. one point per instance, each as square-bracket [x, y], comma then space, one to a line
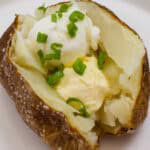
[145, 4]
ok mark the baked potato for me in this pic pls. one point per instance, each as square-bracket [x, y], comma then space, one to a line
[104, 90]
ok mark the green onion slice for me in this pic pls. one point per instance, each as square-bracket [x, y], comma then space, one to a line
[79, 105]
[72, 29]
[61, 67]
[101, 59]
[56, 46]
[42, 37]
[59, 14]
[41, 55]
[76, 16]
[79, 67]
[55, 77]
[42, 8]
[55, 55]
[64, 7]
[53, 17]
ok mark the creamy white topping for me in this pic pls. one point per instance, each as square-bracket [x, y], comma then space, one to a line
[87, 36]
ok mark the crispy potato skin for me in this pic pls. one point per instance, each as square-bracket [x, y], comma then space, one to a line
[50, 125]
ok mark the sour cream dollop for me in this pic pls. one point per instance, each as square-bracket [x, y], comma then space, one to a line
[87, 36]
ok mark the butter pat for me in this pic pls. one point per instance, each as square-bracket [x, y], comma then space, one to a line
[90, 88]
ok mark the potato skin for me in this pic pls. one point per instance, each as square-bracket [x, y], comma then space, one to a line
[141, 106]
[50, 125]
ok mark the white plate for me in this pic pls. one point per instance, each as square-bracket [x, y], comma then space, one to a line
[15, 135]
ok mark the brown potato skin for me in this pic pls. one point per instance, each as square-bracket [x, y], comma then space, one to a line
[50, 125]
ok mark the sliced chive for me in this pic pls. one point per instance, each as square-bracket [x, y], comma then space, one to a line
[42, 8]
[56, 55]
[56, 46]
[53, 17]
[48, 57]
[61, 67]
[40, 53]
[75, 103]
[55, 77]
[42, 37]
[101, 59]
[72, 29]
[76, 16]
[79, 67]
[64, 7]
[59, 14]
[41, 56]
[79, 105]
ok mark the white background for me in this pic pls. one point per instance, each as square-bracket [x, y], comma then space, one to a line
[15, 135]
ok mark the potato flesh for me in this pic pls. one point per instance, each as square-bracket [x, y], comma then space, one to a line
[131, 85]
[52, 99]
[122, 45]
[112, 73]
[23, 55]
[119, 108]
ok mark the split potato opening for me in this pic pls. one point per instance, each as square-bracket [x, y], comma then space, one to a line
[121, 75]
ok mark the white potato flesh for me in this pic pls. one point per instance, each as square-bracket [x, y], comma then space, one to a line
[24, 56]
[112, 73]
[131, 85]
[121, 44]
[117, 108]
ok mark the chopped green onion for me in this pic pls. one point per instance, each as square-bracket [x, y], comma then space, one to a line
[76, 16]
[56, 52]
[79, 105]
[56, 46]
[59, 14]
[64, 7]
[42, 8]
[55, 55]
[72, 29]
[61, 67]
[79, 67]
[101, 59]
[53, 17]
[41, 55]
[42, 37]
[55, 77]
